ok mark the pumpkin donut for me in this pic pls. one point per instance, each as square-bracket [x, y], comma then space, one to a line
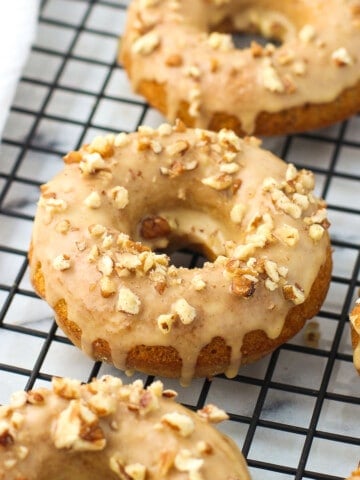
[355, 475]
[120, 201]
[177, 56]
[108, 430]
[355, 333]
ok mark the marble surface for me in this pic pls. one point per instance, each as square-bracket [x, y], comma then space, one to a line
[302, 397]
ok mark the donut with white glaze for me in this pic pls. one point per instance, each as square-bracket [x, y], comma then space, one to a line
[177, 55]
[105, 429]
[103, 221]
[355, 333]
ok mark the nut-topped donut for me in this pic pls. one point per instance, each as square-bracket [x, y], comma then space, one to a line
[355, 333]
[108, 430]
[355, 475]
[184, 67]
[100, 225]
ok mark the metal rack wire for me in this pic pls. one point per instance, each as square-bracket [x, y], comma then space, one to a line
[296, 413]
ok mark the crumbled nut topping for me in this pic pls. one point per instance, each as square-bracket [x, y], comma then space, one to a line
[156, 388]
[105, 265]
[229, 139]
[97, 230]
[107, 286]
[185, 311]
[102, 145]
[220, 41]
[133, 471]
[165, 322]
[287, 234]
[63, 226]
[179, 422]
[316, 232]
[237, 213]
[285, 57]
[10, 463]
[6, 434]
[243, 286]
[93, 200]
[61, 262]
[271, 269]
[299, 68]
[174, 60]
[198, 283]
[146, 44]
[77, 429]
[35, 397]
[218, 182]
[165, 129]
[18, 399]
[256, 49]
[91, 163]
[213, 414]
[178, 147]
[93, 254]
[229, 168]
[204, 448]
[192, 71]
[136, 471]
[121, 140]
[128, 302]
[185, 461]
[341, 57]
[130, 261]
[73, 157]
[66, 387]
[154, 227]
[53, 205]
[307, 33]
[107, 242]
[293, 293]
[102, 404]
[271, 79]
[119, 196]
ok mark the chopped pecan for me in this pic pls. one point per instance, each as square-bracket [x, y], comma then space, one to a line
[242, 286]
[6, 438]
[174, 60]
[154, 227]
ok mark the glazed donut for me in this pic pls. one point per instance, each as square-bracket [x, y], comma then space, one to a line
[120, 201]
[108, 430]
[355, 475]
[355, 333]
[184, 67]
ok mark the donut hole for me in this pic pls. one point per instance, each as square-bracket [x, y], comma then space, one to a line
[262, 22]
[244, 35]
[188, 237]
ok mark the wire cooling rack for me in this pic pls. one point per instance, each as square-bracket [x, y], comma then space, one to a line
[295, 414]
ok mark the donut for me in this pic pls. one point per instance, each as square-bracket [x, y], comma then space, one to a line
[355, 475]
[355, 333]
[106, 223]
[105, 429]
[181, 58]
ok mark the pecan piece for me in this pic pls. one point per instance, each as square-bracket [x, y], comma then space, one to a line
[154, 227]
[242, 286]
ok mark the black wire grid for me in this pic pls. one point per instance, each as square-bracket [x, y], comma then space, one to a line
[295, 414]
